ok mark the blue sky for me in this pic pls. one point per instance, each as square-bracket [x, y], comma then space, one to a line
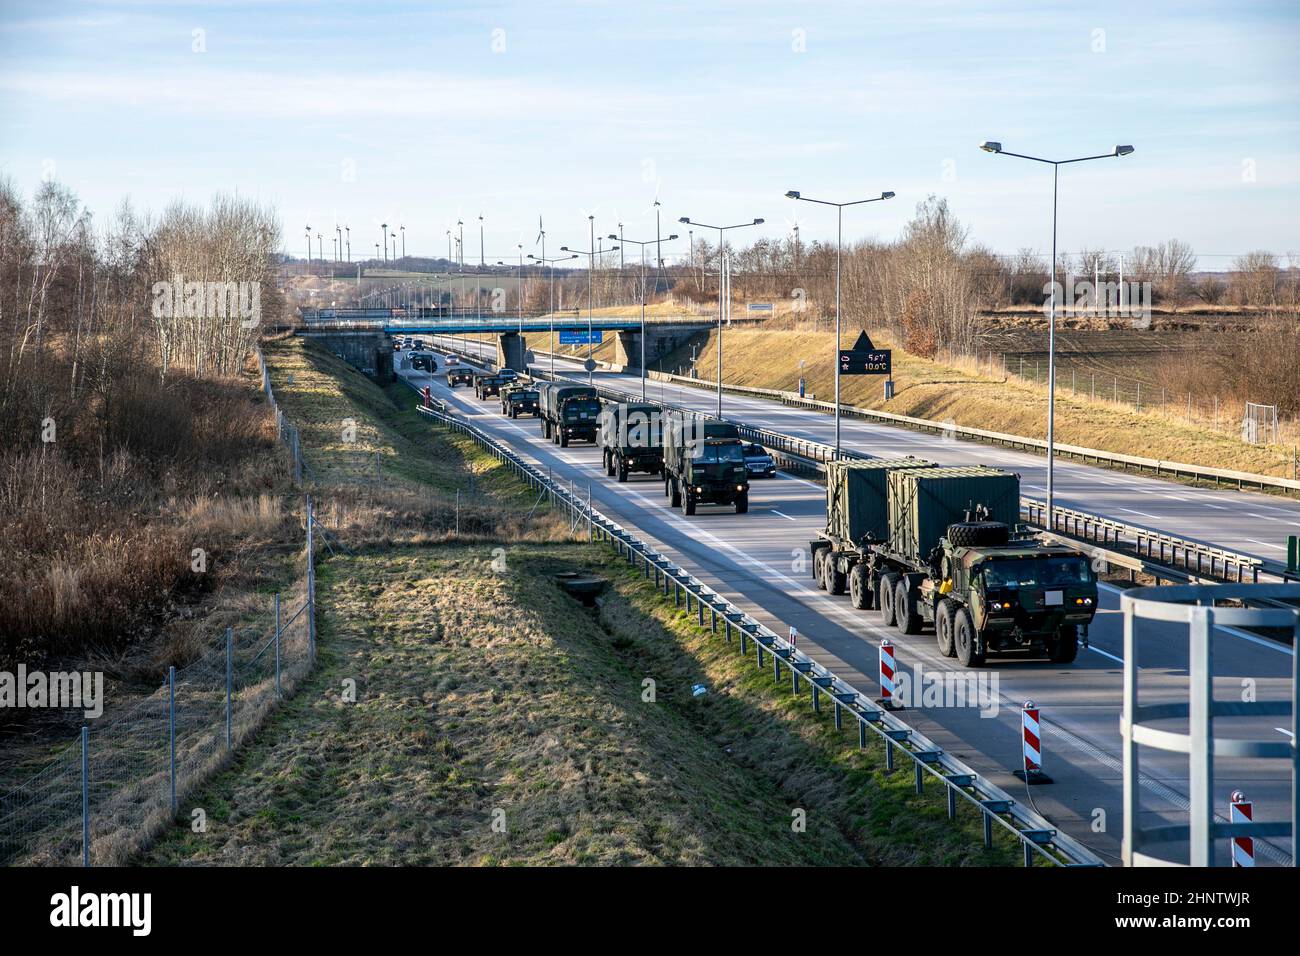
[420, 113]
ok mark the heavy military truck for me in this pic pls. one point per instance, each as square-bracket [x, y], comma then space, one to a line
[941, 546]
[567, 412]
[704, 462]
[631, 439]
[459, 375]
[518, 399]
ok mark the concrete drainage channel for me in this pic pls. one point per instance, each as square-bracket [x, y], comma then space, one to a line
[1041, 842]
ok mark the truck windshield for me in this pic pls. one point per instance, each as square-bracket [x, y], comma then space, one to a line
[711, 452]
[576, 407]
[1037, 573]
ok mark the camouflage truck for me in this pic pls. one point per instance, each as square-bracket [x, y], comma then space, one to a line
[631, 439]
[704, 462]
[950, 555]
[518, 399]
[487, 384]
[567, 411]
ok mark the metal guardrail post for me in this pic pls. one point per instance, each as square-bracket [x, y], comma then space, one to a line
[278, 694]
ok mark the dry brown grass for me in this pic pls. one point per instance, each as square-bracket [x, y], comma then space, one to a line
[967, 393]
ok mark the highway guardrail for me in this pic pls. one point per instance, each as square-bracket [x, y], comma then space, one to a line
[1040, 841]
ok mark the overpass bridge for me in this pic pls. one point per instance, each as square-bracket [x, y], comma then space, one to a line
[364, 336]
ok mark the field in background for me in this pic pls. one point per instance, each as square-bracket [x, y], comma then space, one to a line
[978, 394]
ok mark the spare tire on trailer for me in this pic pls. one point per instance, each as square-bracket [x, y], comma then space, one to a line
[978, 534]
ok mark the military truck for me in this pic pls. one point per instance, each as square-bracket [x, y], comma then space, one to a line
[459, 375]
[567, 412]
[487, 384]
[631, 439]
[704, 462]
[518, 399]
[941, 546]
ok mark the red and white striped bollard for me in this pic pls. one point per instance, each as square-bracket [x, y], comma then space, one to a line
[1241, 810]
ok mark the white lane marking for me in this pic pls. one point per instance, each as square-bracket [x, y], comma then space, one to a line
[782, 514]
[1265, 544]
[1098, 650]
[1283, 730]
[1142, 513]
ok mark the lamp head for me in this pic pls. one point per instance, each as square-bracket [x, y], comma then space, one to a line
[564, 248]
[887, 195]
[672, 237]
[991, 147]
[792, 194]
[759, 222]
[685, 219]
[1123, 150]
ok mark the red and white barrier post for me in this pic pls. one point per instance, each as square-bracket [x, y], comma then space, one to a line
[428, 397]
[887, 673]
[1031, 732]
[1241, 810]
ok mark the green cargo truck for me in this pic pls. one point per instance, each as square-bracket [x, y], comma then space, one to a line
[704, 462]
[631, 439]
[928, 545]
[518, 399]
[567, 412]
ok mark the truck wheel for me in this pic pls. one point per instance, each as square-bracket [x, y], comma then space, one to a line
[860, 593]
[836, 581]
[976, 534]
[964, 638]
[622, 471]
[885, 598]
[688, 504]
[675, 498]
[943, 623]
[816, 567]
[742, 504]
[906, 616]
[1064, 648]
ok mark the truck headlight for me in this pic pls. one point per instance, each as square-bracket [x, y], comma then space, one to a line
[1083, 600]
[740, 487]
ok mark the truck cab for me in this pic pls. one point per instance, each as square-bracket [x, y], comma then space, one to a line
[715, 474]
[518, 400]
[631, 438]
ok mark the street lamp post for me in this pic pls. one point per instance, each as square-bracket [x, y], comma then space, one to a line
[384, 227]
[991, 147]
[348, 230]
[839, 245]
[308, 234]
[686, 220]
[657, 240]
[591, 285]
[551, 262]
[402, 229]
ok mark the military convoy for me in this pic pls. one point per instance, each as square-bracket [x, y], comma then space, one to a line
[631, 439]
[932, 545]
[567, 412]
[704, 463]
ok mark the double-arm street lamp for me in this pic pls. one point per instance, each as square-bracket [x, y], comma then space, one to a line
[551, 263]
[591, 286]
[644, 282]
[839, 247]
[687, 221]
[1056, 164]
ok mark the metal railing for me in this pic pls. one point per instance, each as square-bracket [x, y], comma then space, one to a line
[1195, 606]
[1040, 841]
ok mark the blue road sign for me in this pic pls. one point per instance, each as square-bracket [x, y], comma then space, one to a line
[580, 338]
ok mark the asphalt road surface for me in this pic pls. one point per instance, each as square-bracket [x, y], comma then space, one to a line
[759, 561]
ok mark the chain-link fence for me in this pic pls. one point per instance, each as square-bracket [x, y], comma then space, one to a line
[105, 794]
[285, 430]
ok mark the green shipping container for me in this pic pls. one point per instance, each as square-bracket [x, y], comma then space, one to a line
[857, 500]
[924, 501]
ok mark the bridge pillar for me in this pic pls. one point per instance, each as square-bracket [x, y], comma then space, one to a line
[511, 352]
[660, 340]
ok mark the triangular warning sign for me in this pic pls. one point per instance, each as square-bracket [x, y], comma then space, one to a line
[863, 344]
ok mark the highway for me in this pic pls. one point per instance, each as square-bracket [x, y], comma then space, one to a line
[759, 562]
[1251, 523]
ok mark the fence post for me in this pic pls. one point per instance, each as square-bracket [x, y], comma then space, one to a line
[277, 644]
[85, 795]
[311, 579]
[171, 731]
[230, 675]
